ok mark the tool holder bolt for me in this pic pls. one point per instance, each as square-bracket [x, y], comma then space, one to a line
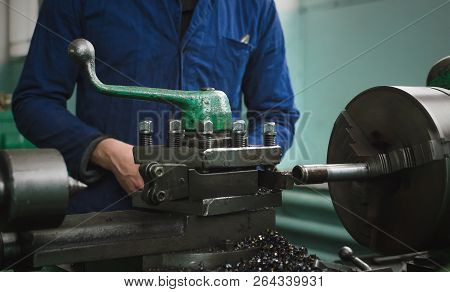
[270, 134]
[239, 134]
[205, 131]
[175, 133]
[146, 133]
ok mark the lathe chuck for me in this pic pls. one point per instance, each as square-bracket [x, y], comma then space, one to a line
[407, 209]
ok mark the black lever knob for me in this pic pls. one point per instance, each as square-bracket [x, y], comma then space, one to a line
[346, 254]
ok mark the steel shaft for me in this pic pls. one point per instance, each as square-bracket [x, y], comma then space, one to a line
[321, 173]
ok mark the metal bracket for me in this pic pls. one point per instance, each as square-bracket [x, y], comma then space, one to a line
[164, 182]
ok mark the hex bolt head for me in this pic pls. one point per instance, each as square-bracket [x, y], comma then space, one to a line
[176, 133]
[269, 128]
[270, 134]
[205, 127]
[239, 137]
[175, 126]
[240, 126]
[146, 126]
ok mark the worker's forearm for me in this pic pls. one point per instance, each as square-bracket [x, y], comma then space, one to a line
[117, 157]
[103, 153]
[109, 154]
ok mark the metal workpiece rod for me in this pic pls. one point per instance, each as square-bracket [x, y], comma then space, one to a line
[321, 173]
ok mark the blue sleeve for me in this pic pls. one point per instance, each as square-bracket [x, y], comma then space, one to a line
[267, 88]
[48, 80]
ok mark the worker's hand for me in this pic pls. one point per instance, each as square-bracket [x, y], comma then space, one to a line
[117, 157]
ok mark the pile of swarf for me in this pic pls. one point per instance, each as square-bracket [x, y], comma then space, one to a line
[276, 255]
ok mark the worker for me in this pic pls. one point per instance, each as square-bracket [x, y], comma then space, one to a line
[235, 46]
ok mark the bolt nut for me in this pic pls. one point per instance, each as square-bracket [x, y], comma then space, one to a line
[240, 126]
[158, 171]
[175, 126]
[146, 126]
[205, 127]
[269, 128]
[161, 196]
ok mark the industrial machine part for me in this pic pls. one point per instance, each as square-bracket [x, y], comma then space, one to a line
[34, 189]
[240, 138]
[176, 133]
[388, 178]
[389, 164]
[146, 133]
[213, 187]
[439, 75]
[206, 104]
[207, 167]
[316, 174]
[136, 235]
[346, 254]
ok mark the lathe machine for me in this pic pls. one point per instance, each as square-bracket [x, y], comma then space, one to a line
[207, 189]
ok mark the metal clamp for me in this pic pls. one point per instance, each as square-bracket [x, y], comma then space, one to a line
[164, 182]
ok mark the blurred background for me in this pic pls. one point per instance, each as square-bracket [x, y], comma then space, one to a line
[335, 50]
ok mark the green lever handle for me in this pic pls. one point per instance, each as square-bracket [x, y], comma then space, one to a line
[439, 75]
[195, 106]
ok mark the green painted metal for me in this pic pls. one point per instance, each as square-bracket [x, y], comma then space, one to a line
[442, 80]
[207, 104]
[195, 105]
